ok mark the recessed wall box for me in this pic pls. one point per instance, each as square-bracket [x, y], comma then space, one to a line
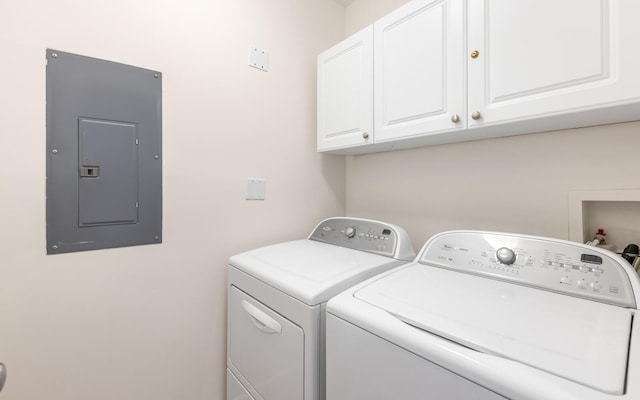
[104, 146]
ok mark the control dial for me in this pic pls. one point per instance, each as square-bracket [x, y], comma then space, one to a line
[350, 232]
[505, 255]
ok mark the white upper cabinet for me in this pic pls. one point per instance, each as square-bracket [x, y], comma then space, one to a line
[419, 73]
[540, 58]
[345, 93]
[444, 71]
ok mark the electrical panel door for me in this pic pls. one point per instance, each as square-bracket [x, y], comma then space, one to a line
[104, 166]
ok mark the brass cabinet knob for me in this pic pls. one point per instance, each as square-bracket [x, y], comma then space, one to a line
[365, 135]
[455, 118]
[475, 54]
[476, 115]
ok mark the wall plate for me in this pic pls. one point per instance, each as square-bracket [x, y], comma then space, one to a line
[259, 59]
[255, 189]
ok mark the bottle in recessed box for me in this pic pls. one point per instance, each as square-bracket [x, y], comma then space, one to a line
[630, 253]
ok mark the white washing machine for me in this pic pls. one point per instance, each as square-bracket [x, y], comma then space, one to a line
[277, 299]
[484, 316]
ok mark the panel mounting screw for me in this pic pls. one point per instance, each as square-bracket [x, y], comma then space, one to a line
[54, 55]
[54, 151]
[157, 237]
[156, 75]
[156, 156]
[54, 247]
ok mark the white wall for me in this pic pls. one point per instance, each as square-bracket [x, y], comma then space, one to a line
[361, 13]
[148, 322]
[518, 184]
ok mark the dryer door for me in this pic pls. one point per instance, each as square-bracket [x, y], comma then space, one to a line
[235, 390]
[266, 351]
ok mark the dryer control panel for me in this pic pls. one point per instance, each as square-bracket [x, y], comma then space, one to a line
[550, 264]
[365, 235]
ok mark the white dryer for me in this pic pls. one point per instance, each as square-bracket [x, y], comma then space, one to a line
[277, 298]
[484, 315]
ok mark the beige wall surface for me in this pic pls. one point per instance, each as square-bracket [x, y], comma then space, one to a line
[517, 184]
[361, 13]
[148, 322]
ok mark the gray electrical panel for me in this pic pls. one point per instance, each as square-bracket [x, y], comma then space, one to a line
[104, 148]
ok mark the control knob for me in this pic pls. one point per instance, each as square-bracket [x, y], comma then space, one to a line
[350, 232]
[505, 255]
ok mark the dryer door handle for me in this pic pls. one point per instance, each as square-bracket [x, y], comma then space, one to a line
[260, 319]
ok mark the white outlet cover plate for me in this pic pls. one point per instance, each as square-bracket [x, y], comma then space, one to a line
[255, 189]
[259, 59]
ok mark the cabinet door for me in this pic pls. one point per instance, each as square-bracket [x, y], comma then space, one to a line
[345, 93]
[540, 58]
[419, 70]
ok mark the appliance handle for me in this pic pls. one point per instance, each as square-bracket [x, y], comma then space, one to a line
[260, 319]
[3, 375]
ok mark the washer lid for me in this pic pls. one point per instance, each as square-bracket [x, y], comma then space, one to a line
[580, 340]
[311, 271]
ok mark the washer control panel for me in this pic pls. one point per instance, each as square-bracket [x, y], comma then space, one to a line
[365, 235]
[551, 264]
